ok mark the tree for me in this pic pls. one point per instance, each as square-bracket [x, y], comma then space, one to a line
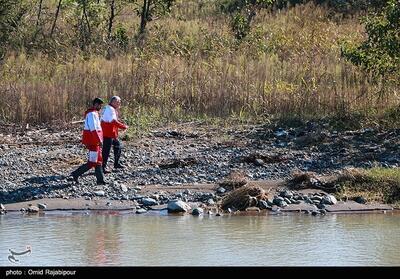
[11, 14]
[242, 13]
[39, 13]
[379, 54]
[151, 10]
[55, 18]
[111, 18]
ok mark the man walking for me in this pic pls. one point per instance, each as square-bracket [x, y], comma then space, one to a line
[110, 124]
[92, 138]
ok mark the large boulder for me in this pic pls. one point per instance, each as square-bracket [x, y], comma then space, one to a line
[178, 206]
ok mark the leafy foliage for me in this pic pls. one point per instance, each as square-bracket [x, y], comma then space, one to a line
[379, 54]
[150, 10]
[11, 14]
[242, 13]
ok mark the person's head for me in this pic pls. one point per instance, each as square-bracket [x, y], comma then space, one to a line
[115, 101]
[97, 103]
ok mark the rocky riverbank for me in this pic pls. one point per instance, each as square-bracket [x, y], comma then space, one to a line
[35, 163]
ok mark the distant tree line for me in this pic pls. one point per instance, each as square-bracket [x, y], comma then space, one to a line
[94, 23]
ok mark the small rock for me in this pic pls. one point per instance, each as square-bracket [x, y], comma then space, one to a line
[88, 198]
[283, 204]
[281, 133]
[218, 214]
[287, 201]
[100, 193]
[253, 209]
[275, 208]
[263, 205]
[33, 209]
[210, 202]
[314, 213]
[316, 198]
[124, 188]
[322, 211]
[321, 206]
[140, 211]
[278, 200]
[197, 211]
[329, 199]
[259, 162]
[361, 200]
[270, 202]
[286, 194]
[308, 200]
[2, 207]
[108, 203]
[210, 212]
[178, 206]
[149, 202]
[42, 206]
[221, 190]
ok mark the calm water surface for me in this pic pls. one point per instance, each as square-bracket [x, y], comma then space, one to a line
[140, 240]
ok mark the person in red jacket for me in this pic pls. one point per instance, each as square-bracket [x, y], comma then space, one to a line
[110, 124]
[92, 138]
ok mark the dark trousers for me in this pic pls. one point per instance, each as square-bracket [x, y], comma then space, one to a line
[117, 146]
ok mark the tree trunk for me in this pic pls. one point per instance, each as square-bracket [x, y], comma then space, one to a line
[86, 17]
[145, 15]
[39, 12]
[55, 18]
[111, 19]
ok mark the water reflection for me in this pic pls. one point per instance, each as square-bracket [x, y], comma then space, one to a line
[104, 242]
[134, 240]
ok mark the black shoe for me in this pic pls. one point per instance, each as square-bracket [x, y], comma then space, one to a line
[73, 178]
[98, 171]
[78, 172]
[119, 166]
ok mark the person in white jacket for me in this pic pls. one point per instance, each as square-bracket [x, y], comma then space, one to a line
[110, 124]
[92, 138]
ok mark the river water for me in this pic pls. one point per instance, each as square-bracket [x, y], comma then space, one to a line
[115, 239]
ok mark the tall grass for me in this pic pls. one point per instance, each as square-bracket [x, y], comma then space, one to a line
[289, 65]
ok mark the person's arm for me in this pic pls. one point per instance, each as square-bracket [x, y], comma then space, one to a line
[118, 123]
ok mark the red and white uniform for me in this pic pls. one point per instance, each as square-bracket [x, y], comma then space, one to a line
[110, 123]
[92, 136]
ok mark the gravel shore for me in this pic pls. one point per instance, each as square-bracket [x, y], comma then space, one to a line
[35, 163]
